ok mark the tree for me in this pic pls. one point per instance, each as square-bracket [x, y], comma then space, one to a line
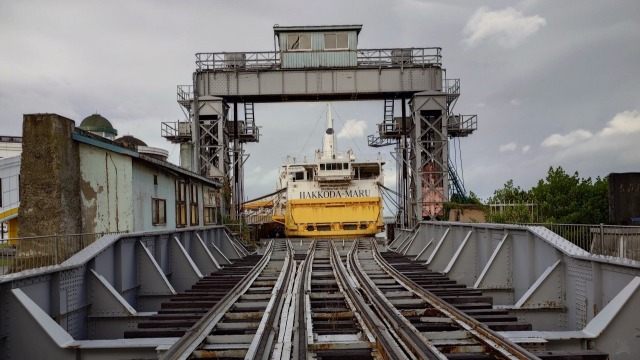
[509, 194]
[513, 207]
[562, 198]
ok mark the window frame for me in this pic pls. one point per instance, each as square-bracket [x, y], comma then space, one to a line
[299, 35]
[155, 214]
[194, 219]
[336, 34]
[208, 206]
[181, 204]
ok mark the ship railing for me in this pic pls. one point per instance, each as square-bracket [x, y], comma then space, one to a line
[396, 57]
[26, 253]
[600, 239]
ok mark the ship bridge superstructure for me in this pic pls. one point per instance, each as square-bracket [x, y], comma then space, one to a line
[324, 63]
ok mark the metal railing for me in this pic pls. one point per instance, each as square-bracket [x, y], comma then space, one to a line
[34, 252]
[607, 240]
[176, 129]
[400, 57]
[185, 93]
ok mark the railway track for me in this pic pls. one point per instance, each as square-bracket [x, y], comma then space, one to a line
[335, 299]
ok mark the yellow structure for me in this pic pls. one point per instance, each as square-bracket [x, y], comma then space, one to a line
[337, 217]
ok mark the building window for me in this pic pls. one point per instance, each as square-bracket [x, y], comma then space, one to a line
[298, 42]
[193, 205]
[181, 203]
[155, 179]
[209, 199]
[159, 212]
[337, 41]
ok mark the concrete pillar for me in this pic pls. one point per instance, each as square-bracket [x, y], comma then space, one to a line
[49, 177]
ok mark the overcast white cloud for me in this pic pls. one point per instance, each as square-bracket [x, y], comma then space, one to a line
[627, 122]
[353, 129]
[508, 147]
[117, 58]
[567, 140]
[507, 27]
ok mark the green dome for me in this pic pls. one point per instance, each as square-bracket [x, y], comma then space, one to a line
[97, 123]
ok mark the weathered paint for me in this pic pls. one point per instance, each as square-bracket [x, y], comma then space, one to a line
[106, 190]
[144, 191]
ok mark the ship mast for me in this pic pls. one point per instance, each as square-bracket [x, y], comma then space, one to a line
[329, 141]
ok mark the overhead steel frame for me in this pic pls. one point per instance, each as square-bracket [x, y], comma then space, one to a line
[380, 74]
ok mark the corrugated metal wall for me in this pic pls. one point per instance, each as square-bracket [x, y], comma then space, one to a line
[318, 56]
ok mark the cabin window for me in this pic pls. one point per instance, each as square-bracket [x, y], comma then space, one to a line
[345, 166]
[337, 41]
[321, 166]
[181, 203]
[158, 211]
[298, 41]
[209, 199]
[193, 205]
[299, 175]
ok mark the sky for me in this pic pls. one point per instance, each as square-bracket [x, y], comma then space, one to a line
[553, 83]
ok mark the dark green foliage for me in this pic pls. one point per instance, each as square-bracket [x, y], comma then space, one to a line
[559, 198]
[569, 199]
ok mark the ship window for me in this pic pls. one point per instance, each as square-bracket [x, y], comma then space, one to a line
[321, 166]
[155, 179]
[336, 41]
[158, 211]
[345, 166]
[299, 175]
[298, 42]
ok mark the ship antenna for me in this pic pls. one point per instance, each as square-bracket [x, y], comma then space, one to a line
[329, 143]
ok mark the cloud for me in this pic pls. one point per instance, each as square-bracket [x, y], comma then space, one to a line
[353, 129]
[626, 122]
[508, 147]
[526, 149]
[557, 140]
[507, 27]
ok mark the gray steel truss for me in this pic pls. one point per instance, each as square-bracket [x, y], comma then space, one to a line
[380, 74]
[81, 308]
[574, 300]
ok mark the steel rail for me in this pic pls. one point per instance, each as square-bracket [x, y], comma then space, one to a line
[199, 331]
[304, 289]
[410, 336]
[501, 346]
[386, 340]
[262, 343]
[285, 345]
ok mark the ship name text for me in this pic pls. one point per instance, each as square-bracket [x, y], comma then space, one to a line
[328, 194]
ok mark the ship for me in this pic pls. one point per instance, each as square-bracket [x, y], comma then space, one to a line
[333, 196]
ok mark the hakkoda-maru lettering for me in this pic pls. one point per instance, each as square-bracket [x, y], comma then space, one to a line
[328, 194]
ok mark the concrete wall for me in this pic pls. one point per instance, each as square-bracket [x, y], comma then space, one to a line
[105, 185]
[50, 177]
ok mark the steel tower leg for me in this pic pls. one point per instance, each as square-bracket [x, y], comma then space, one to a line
[429, 163]
[210, 139]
